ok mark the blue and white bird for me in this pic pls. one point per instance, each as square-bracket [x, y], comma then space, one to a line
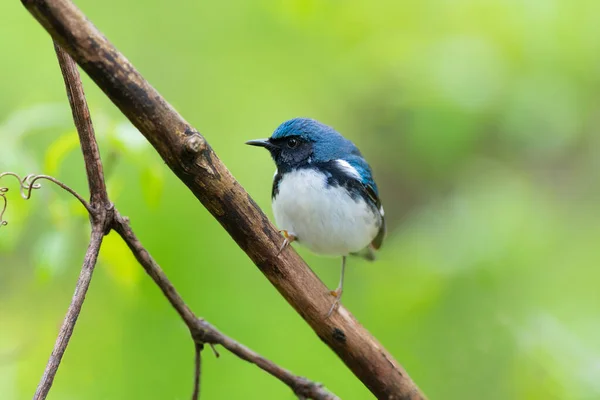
[324, 195]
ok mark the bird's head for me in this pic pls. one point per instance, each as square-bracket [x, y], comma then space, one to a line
[301, 141]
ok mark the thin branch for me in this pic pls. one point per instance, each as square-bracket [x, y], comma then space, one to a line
[191, 158]
[85, 128]
[202, 331]
[100, 210]
[121, 226]
[300, 385]
[198, 370]
[66, 330]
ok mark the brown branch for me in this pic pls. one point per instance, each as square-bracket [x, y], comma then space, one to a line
[66, 330]
[100, 210]
[202, 331]
[300, 385]
[85, 128]
[197, 370]
[190, 157]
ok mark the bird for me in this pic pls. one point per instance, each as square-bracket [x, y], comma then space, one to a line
[324, 196]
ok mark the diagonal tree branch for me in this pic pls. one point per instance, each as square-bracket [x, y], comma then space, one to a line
[190, 157]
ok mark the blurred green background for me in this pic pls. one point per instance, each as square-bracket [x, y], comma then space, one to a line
[478, 117]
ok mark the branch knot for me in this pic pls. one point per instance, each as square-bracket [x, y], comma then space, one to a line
[194, 144]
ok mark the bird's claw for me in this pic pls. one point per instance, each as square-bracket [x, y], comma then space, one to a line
[337, 293]
[283, 246]
[335, 305]
[289, 238]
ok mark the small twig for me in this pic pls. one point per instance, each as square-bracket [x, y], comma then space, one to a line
[202, 331]
[198, 370]
[300, 385]
[214, 349]
[66, 330]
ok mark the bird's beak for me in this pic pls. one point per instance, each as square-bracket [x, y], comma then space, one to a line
[259, 143]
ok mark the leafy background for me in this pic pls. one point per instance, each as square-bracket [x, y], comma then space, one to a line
[479, 118]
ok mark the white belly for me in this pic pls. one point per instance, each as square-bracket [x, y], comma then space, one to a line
[326, 220]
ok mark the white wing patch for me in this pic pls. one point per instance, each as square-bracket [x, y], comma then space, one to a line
[275, 174]
[381, 211]
[348, 169]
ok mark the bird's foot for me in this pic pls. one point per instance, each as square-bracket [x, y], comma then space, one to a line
[337, 293]
[289, 238]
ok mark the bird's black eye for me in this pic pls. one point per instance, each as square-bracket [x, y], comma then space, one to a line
[292, 143]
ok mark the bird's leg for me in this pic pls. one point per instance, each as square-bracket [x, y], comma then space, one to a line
[289, 238]
[337, 293]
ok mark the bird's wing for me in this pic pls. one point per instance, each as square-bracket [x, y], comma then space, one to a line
[378, 241]
[370, 187]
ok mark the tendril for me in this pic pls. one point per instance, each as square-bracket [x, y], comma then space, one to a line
[28, 184]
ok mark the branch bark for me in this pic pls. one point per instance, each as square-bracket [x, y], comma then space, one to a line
[191, 158]
[68, 325]
[85, 128]
[197, 371]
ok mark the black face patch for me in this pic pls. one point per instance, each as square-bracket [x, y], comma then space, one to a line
[290, 152]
